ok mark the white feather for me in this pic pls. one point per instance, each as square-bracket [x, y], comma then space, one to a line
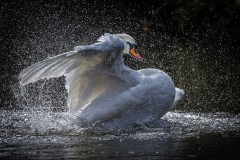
[102, 88]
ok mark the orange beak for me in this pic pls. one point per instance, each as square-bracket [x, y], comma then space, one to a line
[134, 52]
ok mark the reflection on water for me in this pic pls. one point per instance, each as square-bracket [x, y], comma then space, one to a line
[45, 134]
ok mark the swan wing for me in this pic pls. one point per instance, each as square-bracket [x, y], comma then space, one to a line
[61, 65]
[53, 67]
[83, 67]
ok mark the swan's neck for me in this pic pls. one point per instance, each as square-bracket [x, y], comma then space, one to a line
[126, 49]
[118, 59]
[130, 76]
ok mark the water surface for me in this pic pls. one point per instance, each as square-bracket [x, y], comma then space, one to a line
[44, 134]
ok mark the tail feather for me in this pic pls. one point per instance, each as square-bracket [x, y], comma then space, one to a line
[178, 97]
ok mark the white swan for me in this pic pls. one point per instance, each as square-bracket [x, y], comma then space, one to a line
[101, 88]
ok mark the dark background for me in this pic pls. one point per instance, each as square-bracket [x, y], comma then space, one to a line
[196, 42]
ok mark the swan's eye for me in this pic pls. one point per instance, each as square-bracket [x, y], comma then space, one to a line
[132, 45]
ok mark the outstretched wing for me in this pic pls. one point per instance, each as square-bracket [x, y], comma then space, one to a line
[83, 67]
[105, 50]
[53, 67]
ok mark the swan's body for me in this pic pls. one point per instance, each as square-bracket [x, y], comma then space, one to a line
[102, 89]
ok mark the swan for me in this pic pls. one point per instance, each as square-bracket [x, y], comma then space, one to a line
[102, 89]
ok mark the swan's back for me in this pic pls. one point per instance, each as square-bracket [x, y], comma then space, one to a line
[158, 91]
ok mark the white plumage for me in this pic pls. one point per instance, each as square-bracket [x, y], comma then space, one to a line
[101, 88]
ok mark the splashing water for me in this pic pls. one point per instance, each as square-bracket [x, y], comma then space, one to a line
[38, 125]
[173, 124]
[28, 133]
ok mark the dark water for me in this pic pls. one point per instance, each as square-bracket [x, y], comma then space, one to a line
[48, 135]
[35, 123]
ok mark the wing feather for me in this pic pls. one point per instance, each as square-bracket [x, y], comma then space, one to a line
[53, 67]
[82, 67]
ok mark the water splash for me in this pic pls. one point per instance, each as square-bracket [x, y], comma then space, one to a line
[48, 127]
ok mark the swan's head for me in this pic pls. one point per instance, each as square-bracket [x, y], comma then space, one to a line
[130, 46]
